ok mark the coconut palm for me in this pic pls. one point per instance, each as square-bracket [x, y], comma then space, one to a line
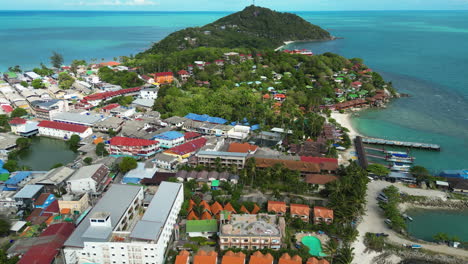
[331, 249]
[345, 255]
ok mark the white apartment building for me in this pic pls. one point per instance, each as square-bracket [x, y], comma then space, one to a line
[114, 233]
[63, 130]
[149, 93]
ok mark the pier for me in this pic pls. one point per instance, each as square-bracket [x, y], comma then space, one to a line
[361, 153]
[396, 143]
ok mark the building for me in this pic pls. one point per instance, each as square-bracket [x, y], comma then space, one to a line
[164, 77]
[279, 208]
[201, 228]
[320, 179]
[94, 99]
[23, 127]
[176, 121]
[48, 244]
[7, 143]
[170, 139]
[287, 259]
[84, 118]
[25, 197]
[117, 234]
[45, 109]
[303, 167]
[92, 178]
[149, 93]
[323, 215]
[203, 257]
[182, 257]
[111, 123]
[258, 258]
[251, 232]
[317, 261]
[167, 162]
[239, 132]
[301, 211]
[144, 170]
[187, 149]
[225, 159]
[55, 179]
[75, 204]
[233, 258]
[63, 130]
[44, 200]
[184, 75]
[242, 148]
[132, 146]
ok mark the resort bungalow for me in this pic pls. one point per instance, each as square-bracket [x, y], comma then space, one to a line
[259, 258]
[233, 258]
[182, 257]
[322, 215]
[203, 257]
[287, 259]
[301, 211]
[279, 208]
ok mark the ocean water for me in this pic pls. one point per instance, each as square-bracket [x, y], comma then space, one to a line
[422, 52]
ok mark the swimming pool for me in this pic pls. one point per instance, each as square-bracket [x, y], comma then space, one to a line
[315, 246]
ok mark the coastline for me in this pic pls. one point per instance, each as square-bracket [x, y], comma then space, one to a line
[312, 40]
[345, 121]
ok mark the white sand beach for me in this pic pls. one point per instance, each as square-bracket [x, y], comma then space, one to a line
[285, 44]
[345, 121]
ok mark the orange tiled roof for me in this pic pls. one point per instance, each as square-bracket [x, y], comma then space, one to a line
[242, 147]
[216, 208]
[299, 209]
[277, 207]
[323, 212]
[259, 258]
[191, 205]
[182, 258]
[233, 258]
[228, 207]
[244, 210]
[316, 261]
[192, 216]
[203, 257]
[301, 166]
[320, 179]
[205, 205]
[287, 259]
[255, 209]
[206, 216]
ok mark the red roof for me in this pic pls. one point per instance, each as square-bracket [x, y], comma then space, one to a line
[7, 108]
[110, 63]
[242, 147]
[183, 72]
[161, 74]
[329, 164]
[188, 147]
[105, 95]
[126, 141]
[63, 126]
[280, 96]
[17, 121]
[191, 135]
[53, 207]
[110, 107]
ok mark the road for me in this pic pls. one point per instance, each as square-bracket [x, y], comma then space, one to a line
[373, 221]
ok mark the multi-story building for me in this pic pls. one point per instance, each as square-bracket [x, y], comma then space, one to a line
[116, 234]
[46, 109]
[92, 178]
[75, 204]
[170, 139]
[149, 93]
[132, 146]
[225, 159]
[25, 197]
[164, 77]
[63, 130]
[251, 232]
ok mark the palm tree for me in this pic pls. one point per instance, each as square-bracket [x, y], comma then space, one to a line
[345, 255]
[331, 249]
[198, 210]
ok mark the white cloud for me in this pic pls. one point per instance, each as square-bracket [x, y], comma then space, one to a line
[115, 3]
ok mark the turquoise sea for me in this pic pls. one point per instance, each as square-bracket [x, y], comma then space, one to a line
[424, 53]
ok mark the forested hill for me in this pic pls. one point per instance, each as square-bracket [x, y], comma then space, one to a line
[254, 27]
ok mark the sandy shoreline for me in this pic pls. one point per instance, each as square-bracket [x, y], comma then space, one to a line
[345, 121]
[285, 44]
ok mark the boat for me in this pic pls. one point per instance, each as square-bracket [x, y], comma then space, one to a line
[399, 160]
[395, 152]
[398, 166]
[407, 217]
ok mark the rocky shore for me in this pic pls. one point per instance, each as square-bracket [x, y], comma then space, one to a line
[435, 203]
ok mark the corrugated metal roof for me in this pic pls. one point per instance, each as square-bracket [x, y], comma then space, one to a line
[152, 222]
[28, 191]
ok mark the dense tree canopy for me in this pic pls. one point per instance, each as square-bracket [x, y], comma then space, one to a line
[56, 59]
[127, 164]
[18, 112]
[125, 79]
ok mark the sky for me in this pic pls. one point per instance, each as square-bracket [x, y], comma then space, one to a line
[233, 5]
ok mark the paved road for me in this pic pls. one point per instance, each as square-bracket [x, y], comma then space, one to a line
[373, 221]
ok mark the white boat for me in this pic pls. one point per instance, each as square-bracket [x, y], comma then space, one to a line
[393, 159]
[397, 166]
[396, 152]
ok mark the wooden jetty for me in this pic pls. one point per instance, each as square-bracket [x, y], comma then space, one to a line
[361, 153]
[396, 143]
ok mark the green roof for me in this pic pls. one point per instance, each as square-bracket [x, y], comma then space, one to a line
[340, 99]
[363, 92]
[12, 75]
[202, 226]
[89, 72]
[339, 78]
[353, 95]
[309, 87]
[215, 183]
[4, 176]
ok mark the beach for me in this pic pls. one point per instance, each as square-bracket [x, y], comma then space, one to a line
[345, 121]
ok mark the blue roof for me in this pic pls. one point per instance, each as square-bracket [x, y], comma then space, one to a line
[255, 127]
[169, 135]
[131, 180]
[28, 191]
[18, 177]
[206, 118]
